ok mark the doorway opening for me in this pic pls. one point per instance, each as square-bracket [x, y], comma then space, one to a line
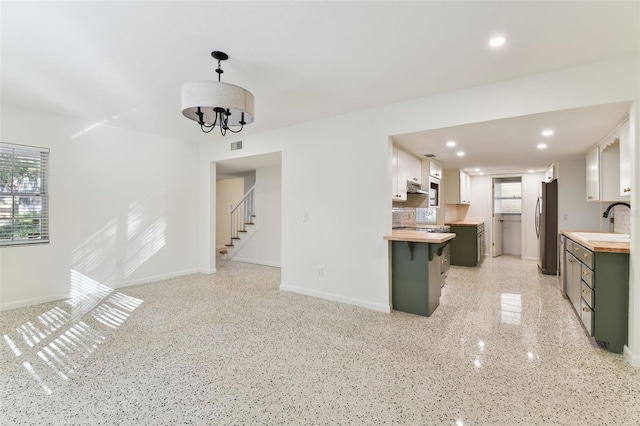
[507, 217]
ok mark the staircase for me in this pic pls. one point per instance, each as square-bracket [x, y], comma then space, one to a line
[241, 223]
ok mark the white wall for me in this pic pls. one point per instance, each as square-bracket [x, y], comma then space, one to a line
[116, 195]
[325, 163]
[264, 246]
[228, 193]
[575, 213]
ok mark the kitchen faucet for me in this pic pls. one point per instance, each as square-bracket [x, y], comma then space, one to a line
[606, 212]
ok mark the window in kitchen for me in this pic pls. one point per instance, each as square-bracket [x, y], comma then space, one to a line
[508, 196]
[424, 215]
[24, 195]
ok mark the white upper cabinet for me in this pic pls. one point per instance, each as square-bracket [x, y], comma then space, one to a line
[399, 175]
[625, 159]
[593, 174]
[414, 170]
[550, 174]
[457, 187]
[609, 167]
[435, 169]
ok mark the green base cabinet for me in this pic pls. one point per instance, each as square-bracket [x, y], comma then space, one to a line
[415, 276]
[464, 247]
[597, 283]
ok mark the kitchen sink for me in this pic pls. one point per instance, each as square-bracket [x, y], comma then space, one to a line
[604, 236]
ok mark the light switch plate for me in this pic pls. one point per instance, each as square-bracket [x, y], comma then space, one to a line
[303, 216]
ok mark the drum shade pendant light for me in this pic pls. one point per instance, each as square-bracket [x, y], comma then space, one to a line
[214, 103]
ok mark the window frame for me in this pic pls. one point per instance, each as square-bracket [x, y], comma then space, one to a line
[36, 159]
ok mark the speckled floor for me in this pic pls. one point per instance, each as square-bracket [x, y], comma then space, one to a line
[504, 347]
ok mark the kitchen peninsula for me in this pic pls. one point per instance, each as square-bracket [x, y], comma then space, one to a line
[416, 270]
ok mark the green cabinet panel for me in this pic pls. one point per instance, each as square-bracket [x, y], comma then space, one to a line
[415, 276]
[464, 247]
[597, 283]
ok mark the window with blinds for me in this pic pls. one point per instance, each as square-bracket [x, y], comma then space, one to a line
[508, 197]
[24, 195]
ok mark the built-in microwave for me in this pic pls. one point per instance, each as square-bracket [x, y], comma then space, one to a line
[434, 192]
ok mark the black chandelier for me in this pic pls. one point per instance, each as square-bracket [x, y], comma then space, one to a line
[214, 103]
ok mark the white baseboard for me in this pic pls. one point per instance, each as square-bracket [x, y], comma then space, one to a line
[530, 259]
[337, 298]
[33, 301]
[55, 298]
[256, 261]
[155, 278]
[207, 271]
[632, 359]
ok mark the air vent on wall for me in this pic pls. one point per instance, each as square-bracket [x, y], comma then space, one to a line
[429, 155]
[236, 145]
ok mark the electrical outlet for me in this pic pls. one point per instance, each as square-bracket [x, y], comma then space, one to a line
[303, 217]
[320, 272]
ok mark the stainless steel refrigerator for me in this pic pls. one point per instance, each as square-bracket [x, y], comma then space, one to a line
[547, 227]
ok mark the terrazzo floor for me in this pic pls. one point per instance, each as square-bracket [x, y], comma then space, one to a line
[503, 348]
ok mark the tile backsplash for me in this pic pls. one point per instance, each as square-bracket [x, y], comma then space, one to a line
[404, 216]
[622, 219]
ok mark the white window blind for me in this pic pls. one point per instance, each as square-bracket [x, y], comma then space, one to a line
[508, 197]
[24, 195]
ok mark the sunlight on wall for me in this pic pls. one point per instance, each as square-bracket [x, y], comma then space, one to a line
[146, 230]
[101, 123]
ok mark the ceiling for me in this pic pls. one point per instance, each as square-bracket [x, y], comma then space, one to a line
[509, 145]
[123, 63]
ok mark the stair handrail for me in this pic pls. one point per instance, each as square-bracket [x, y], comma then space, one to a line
[248, 209]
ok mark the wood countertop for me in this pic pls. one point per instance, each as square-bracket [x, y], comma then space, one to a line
[419, 236]
[599, 246]
[465, 223]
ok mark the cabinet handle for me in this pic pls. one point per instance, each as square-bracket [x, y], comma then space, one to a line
[585, 273]
[585, 255]
[585, 291]
[585, 309]
[589, 198]
[576, 249]
[571, 260]
[627, 190]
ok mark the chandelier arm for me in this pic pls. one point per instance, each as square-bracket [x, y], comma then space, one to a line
[203, 127]
[236, 131]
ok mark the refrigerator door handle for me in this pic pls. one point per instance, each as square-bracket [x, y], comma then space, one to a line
[538, 218]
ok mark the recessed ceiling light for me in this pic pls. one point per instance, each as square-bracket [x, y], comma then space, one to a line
[460, 153]
[451, 144]
[530, 171]
[547, 132]
[476, 169]
[497, 41]
[542, 145]
[481, 173]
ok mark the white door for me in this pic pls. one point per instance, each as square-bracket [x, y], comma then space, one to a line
[496, 247]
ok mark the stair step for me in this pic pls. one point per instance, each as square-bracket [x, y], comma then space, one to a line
[223, 252]
[253, 215]
[241, 230]
[229, 245]
[249, 223]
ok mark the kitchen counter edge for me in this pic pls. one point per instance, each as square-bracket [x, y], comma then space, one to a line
[465, 223]
[420, 237]
[599, 246]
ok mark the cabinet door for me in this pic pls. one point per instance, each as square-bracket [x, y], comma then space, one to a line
[625, 160]
[465, 188]
[394, 175]
[435, 169]
[414, 170]
[403, 163]
[593, 174]
[574, 281]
